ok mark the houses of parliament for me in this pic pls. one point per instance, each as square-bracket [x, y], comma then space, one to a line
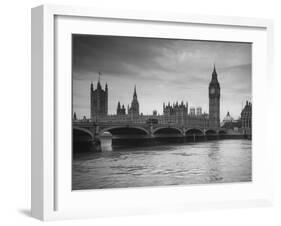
[173, 113]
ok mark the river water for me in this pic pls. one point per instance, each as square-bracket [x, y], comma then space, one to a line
[217, 161]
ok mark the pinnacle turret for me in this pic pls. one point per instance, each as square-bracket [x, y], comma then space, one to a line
[98, 100]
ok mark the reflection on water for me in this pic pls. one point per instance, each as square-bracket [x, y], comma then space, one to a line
[180, 164]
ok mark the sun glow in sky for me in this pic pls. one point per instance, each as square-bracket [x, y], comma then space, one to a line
[162, 69]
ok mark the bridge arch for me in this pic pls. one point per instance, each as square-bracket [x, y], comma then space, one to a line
[167, 130]
[81, 135]
[222, 132]
[82, 130]
[210, 132]
[125, 130]
[194, 131]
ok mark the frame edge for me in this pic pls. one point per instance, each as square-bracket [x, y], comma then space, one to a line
[37, 66]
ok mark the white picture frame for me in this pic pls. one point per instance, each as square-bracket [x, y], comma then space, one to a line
[52, 197]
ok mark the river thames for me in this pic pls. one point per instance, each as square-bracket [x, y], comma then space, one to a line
[218, 161]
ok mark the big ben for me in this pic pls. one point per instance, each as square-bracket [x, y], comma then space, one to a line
[214, 101]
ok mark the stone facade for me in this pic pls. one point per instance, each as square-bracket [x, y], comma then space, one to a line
[246, 117]
[229, 123]
[176, 113]
[99, 101]
[214, 101]
[134, 109]
[120, 110]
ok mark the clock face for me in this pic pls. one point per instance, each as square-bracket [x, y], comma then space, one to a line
[212, 91]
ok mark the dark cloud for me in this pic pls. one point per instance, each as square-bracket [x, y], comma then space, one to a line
[115, 56]
[162, 69]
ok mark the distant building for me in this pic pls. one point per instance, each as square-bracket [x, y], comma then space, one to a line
[230, 123]
[134, 109]
[175, 109]
[227, 118]
[246, 118]
[176, 113]
[214, 101]
[198, 111]
[120, 110]
[99, 101]
[192, 111]
[74, 116]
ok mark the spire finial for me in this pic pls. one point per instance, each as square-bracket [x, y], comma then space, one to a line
[214, 74]
[98, 85]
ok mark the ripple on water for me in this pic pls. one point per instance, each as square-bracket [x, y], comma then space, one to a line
[206, 162]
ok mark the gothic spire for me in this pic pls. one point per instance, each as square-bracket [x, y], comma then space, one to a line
[92, 86]
[214, 71]
[214, 75]
[135, 92]
[99, 85]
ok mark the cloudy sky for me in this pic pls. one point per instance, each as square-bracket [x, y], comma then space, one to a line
[162, 69]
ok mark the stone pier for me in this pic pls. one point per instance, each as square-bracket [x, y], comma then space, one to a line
[106, 141]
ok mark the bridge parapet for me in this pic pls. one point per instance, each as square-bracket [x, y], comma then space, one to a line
[149, 128]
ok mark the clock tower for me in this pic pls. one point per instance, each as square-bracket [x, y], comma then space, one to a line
[214, 101]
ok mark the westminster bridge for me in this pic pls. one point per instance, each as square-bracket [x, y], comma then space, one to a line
[103, 135]
[87, 130]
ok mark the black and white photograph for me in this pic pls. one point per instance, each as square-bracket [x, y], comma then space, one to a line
[160, 112]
